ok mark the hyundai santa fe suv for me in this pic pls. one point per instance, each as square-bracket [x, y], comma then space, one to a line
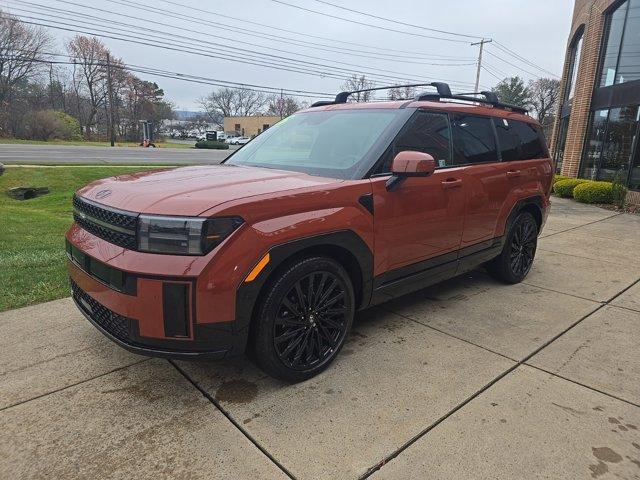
[334, 209]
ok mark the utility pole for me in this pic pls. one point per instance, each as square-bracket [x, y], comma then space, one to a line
[281, 105]
[53, 106]
[112, 133]
[481, 43]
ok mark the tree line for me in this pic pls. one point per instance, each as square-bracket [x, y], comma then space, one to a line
[70, 95]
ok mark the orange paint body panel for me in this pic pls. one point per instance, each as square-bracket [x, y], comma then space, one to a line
[188, 304]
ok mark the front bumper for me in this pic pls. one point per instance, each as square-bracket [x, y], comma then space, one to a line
[149, 314]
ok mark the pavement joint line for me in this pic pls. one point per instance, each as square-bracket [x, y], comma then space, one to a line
[495, 380]
[233, 421]
[594, 389]
[583, 225]
[74, 384]
[581, 256]
[562, 293]
[625, 308]
[448, 334]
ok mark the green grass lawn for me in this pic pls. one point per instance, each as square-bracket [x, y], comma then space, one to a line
[32, 258]
[87, 143]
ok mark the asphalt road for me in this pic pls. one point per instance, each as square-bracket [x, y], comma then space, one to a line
[74, 155]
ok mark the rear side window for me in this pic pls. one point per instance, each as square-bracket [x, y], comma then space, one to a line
[532, 144]
[507, 139]
[425, 132]
[473, 140]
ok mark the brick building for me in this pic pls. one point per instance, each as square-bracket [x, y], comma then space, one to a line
[249, 126]
[597, 130]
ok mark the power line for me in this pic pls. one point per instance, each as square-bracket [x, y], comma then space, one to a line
[359, 12]
[306, 68]
[394, 55]
[284, 63]
[303, 34]
[183, 77]
[379, 27]
[192, 19]
[512, 64]
[522, 59]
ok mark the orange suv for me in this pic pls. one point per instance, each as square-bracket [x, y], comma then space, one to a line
[334, 209]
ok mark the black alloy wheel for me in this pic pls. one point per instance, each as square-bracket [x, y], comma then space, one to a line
[523, 248]
[311, 321]
[516, 259]
[304, 319]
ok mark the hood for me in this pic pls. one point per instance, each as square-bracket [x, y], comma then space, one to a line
[193, 190]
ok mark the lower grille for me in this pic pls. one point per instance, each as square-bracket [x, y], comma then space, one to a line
[113, 323]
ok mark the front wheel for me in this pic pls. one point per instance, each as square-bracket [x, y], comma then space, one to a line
[303, 319]
[516, 259]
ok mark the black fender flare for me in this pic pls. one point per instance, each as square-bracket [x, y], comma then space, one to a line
[248, 293]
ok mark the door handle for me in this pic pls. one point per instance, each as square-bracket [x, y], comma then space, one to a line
[514, 173]
[452, 183]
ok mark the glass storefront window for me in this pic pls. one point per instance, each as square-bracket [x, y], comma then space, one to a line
[576, 50]
[593, 147]
[613, 34]
[628, 65]
[561, 142]
[618, 144]
[634, 177]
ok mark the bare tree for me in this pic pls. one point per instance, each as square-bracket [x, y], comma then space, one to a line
[545, 93]
[401, 93]
[358, 82]
[22, 52]
[283, 105]
[232, 102]
[89, 56]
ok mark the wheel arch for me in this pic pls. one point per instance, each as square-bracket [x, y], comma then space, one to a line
[532, 205]
[346, 247]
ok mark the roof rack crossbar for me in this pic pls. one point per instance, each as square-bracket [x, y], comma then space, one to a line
[444, 92]
[490, 98]
[342, 97]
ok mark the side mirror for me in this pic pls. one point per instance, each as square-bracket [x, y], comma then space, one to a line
[410, 164]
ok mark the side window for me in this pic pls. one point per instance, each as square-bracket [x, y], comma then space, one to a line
[473, 140]
[532, 144]
[507, 140]
[425, 132]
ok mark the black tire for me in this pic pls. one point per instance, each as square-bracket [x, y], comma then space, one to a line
[514, 262]
[312, 303]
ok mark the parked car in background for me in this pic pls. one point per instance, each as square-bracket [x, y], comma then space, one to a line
[242, 140]
[340, 207]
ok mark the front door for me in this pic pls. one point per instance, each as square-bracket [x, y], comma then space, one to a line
[420, 223]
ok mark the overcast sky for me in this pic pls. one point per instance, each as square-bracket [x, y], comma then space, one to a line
[535, 29]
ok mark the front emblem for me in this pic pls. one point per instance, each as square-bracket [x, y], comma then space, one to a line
[103, 194]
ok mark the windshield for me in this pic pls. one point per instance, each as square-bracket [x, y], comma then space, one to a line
[327, 143]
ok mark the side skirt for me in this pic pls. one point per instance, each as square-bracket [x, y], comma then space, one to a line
[416, 276]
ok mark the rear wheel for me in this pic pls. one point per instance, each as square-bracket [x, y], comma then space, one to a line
[303, 319]
[519, 250]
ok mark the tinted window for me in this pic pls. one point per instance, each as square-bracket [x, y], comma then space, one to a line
[507, 139]
[532, 144]
[473, 140]
[425, 132]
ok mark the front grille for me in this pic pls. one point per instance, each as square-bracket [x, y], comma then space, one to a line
[114, 226]
[113, 323]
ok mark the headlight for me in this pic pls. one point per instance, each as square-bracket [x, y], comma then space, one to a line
[183, 235]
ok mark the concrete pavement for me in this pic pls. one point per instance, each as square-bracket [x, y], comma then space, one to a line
[467, 379]
[78, 155]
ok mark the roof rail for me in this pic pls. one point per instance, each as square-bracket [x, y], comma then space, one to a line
[444, 92]
[490, 98]
[442, 88]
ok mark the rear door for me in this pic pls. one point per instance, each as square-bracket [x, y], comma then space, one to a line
[485, 181]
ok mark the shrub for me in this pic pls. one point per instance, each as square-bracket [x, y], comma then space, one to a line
[52, 124]
[594, 192]
[564, 188]
[557, 178]
[212, 144]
